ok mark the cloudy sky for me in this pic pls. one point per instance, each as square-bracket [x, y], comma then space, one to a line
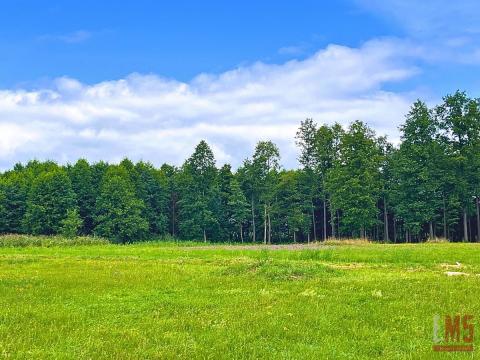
[148, 80]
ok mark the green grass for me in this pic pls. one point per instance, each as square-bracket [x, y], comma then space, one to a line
[155, 300]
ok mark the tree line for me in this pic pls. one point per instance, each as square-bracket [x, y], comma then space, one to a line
[351, 183]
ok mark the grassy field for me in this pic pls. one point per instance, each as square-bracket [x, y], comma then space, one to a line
[158, 300]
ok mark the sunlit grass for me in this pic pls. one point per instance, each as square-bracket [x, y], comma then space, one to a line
[167, 300]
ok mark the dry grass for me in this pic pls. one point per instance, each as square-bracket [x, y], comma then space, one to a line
[347, 241]
[437, 240]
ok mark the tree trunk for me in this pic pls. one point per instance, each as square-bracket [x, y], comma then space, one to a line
[445, 234]
[394, 230]
[385, 220]
[269, 229]
[314, 225]
[324, 219]
[253, 222]
[173, 217]
[332, 221]
[204, 235]
[430, 228]
[465, 226]
[308, 238]
[338, 224]
[265, 224]
[294, 236]
[478, 218]
[241, 233]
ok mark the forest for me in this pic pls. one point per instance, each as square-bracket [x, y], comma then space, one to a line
[351, 183]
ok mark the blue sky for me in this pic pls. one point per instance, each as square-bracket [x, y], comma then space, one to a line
[149, 79]
[97, 40]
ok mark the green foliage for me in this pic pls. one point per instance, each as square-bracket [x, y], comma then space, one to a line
[21, 241]
[118, 211]
[199, 195]
[71, 225]
[83, 183]
[50, 198]
[350, 183]
[238, 208]
[354, 180]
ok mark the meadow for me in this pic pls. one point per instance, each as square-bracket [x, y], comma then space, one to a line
[191, 301]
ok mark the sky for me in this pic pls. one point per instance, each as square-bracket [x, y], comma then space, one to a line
[148, 80]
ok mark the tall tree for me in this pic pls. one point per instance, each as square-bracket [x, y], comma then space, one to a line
[83, 185]
[327, 152]
[151, 188]
[266, 164]
[118, 214]
[49, 200]
[292, 206]
[239, 208]
[354, 181]
[417, 191]
[459, 117]
[307, 141]
[198, 204]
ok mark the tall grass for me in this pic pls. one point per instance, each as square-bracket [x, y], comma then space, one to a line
[16, 240]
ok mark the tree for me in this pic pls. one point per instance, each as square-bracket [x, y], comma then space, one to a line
[249, 184]
[326, 153]
[265, 166]
[224, 214]
[415, 169]
[82, 178]
[118, 214]
[354, 180]
[238, 207]
[49, 200]
[71, 225]
[459, 118]
[198, 204]
[171, 175]
[13, 202]
[307, 141]
[292, 206]
[151, 188]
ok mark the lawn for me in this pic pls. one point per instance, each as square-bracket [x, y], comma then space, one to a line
[157, 300]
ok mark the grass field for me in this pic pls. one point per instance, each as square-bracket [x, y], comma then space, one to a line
[156, 300]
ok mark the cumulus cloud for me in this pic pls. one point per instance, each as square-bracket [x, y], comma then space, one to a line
[161, 120]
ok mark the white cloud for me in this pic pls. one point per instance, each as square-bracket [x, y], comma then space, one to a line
[69, 38]
[161, 120]
[443, 30]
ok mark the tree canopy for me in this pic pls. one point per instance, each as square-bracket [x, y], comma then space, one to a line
[350, 182]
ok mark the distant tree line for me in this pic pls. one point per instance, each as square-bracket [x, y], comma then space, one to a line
[351, 183]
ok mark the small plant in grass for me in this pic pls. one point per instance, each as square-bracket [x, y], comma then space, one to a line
[71, 224]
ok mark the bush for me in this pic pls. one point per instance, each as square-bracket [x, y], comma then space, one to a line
[71, 224]
[15, 240]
